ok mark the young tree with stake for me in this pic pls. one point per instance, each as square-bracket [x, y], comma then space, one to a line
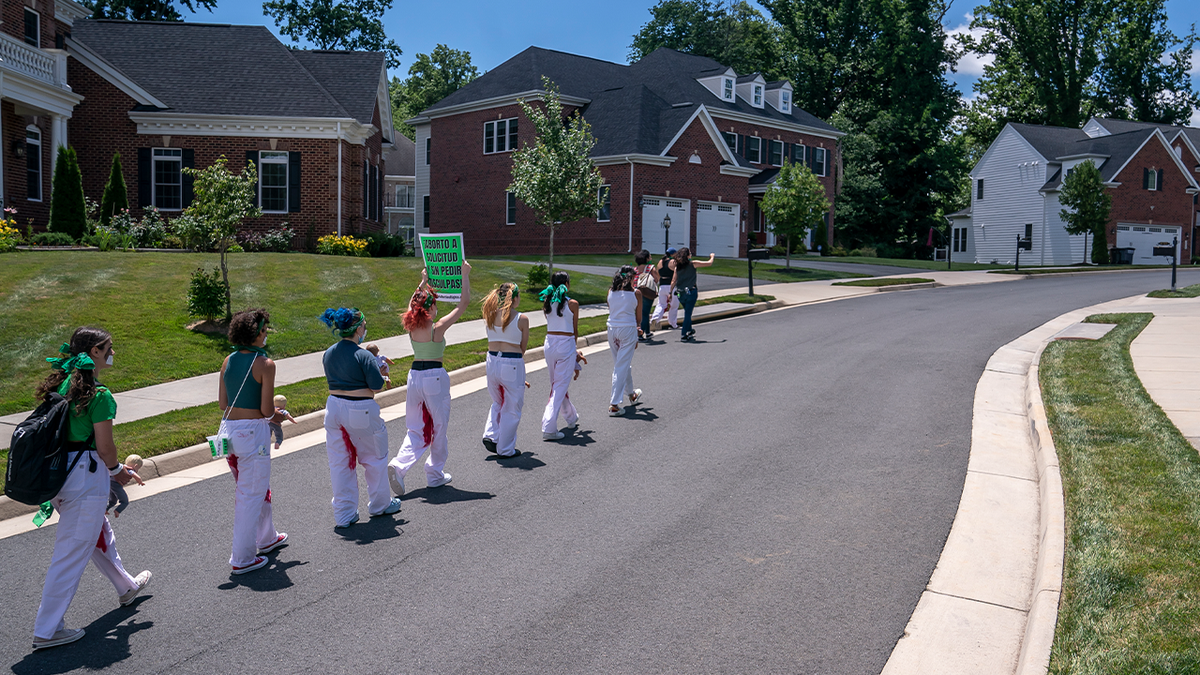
[222, 201]
[1088, 206]
[794, 203]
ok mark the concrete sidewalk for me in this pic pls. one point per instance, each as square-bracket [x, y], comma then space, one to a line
[1167, 363]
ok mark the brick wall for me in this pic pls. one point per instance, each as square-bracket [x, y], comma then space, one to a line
[13, 16]
[1171, 205]
[16, 184]
[1191, 162]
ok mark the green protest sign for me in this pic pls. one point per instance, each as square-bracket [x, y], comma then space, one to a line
[443, 254]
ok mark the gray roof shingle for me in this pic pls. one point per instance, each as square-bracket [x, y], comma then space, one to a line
[1119, 148]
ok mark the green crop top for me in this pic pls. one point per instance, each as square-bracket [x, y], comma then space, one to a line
[237, 371]
[428, 351]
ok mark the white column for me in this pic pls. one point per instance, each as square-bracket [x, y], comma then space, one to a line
[2, 196]
[58, 135]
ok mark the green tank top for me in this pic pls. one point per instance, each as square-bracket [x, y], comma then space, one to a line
[428, 351]
[235, 372]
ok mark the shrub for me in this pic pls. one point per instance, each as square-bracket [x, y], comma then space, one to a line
[779, 250]
[278, 240]
[103, 238]
[206, 294]
[384, 245]
[331, 244]
[149, 233]
[121, 222]
[172, 241]
[10, 236]
[193, 232]
[53, 239]
[865, 252]
[538, 276]
[235, 248]
[116, 195]
[838, 251]
[68, 211]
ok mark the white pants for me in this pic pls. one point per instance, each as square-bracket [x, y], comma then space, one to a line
[664, 296]
[83, 534]
[622, 340]
[427, 415]
[560, 362]
[250, 463]
[506, 384]
[355, 434]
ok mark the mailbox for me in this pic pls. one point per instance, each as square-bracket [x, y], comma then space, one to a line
[1164, 248]
[758, 254]
[1025, 244]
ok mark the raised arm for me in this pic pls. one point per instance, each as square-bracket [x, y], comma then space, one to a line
[711, 258]
[464, 299]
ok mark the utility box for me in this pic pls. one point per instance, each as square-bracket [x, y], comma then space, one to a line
[758, 254]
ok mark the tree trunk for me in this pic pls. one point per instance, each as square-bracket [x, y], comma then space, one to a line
[225, 278]
[551, 250]
[1099, 246]
[789, 251]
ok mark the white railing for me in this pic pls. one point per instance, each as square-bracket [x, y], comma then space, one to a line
[32, 62]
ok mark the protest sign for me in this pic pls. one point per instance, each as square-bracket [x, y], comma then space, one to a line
[443, 254]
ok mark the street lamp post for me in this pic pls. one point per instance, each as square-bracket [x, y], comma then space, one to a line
[666, 233]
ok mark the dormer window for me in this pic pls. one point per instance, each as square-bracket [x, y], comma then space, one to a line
[727, 88]
[786, 99]
[757, 101]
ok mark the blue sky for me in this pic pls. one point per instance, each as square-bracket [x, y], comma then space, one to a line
[492, 32]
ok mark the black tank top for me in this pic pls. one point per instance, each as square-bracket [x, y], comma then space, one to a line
[665, 273]
[687, 275]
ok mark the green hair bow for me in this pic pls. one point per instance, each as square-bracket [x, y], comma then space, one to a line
[70, 363]
[557, 294]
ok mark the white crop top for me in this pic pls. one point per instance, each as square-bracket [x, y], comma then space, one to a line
[622, 306]
[512, 334]
[560, 324]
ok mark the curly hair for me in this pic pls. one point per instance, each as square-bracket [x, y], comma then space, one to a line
[623, 279]
[344, 320]
[83, 382]
[247, 324]
[509, 294]
[418, 314]
[559, 278]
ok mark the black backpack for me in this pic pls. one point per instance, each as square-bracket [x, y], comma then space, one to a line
[37, 457]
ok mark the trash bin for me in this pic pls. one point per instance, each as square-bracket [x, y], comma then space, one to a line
[1124, 255]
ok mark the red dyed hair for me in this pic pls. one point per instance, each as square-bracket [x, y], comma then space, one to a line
[417, 315]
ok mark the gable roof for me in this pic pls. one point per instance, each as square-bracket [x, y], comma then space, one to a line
[1049, 142]
[402, 161]
[220, 69]
[633, 109]
[1118, 149]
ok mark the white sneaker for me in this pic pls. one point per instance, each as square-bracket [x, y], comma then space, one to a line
[636, 397]
[62, 637]
[616, 413]
[259, 563]
[392, 507]
[142, 580]
[280, 540]
[396, 480]
[446, 478]
[573, 425]
[552, 436]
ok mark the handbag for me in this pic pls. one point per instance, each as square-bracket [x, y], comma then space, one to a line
[218, 444]
[646, 281]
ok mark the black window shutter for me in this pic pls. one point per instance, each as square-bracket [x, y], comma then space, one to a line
[293, 182]
[742, 145]
[189, 182]
[252, 158]
[145, 178]
[1160, 179]
[366, 176]
[1145, 179]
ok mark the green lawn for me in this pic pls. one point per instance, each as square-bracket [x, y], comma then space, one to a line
[1185, 292]
[1131, 481]
[721, 267]
[915, 264]
[890, 281]
[141, 299]
[743, 298]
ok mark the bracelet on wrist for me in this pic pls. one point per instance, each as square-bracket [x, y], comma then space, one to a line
[112, 471]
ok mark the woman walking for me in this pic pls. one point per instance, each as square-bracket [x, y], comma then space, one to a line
[427, 405]
[683, 284]
[246, 394]
[508, 337]
[354, 431]
[83, 532]
[665, 305]
[644, 274]
[562, 358]
[624, 306]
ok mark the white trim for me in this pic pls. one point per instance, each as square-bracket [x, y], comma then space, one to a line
[154, 160]
[507, 135]
[1170, 151]
[104, 69]
[758, 153]
[598, 203]
[824, 165]
[38, 14]
[68, 12]
[736, 116]
[494, 102]
[987, 152]
[40, 164]
[745, 171]
[612, 160]
[383, 100]
[714, 134]
[1188, 142]
[287, 166]
[254, 126]
[508, 195]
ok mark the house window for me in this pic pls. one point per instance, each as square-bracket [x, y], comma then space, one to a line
[500, 136]
[33, 32]
[1029, 232]
[605, 198]
[818, 162]
[758, 94]
[798, 154]
[1152, 179]
[956, 231]
[785, 97]
[404, 196]
[730, 140]
[425, 212]
[979, 189]
[758, 216]
[727, 88]
[776, 155]
[33, 163]
[754, 149]
[168, 179]
[428, 149]
[510, 215]
[272, 181]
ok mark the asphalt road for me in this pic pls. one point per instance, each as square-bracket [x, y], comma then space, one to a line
[776, 505]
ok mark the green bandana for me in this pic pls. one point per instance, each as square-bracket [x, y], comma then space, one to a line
[557, 294]
[69, 364]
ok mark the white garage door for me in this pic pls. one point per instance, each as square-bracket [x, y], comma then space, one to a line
[654, 211]
[717, 229]
[1144, 238]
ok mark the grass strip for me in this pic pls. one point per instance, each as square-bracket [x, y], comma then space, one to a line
[152, 436]
[1131, 586]
[1185, 292]
[742, 298]
[895, 281]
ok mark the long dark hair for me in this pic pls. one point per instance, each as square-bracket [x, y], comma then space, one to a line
[683, 257]
[559, 278]
[83, 382]
[623, 279]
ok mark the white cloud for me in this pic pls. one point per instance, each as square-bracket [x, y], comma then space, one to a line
[1195, 119]
[1195, 63]
[970, 63]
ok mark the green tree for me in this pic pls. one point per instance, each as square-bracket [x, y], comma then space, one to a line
[68, 213]
[431, 78]
[556, 177]
[1140, 77]
[336, 24]
[116, 195]
[794, 203]
[1088, 206]
[144, 10]
[735, 35]
[223, 201]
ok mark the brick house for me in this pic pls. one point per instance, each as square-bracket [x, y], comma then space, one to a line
[681, 139]
[35, 101]
[1150, 170]
[169, 95]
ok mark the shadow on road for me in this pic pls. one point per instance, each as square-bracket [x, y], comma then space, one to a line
[448, 494]
[576, 438]
[640, 413]
[273, 577]
[526, 461]
[106, 644]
